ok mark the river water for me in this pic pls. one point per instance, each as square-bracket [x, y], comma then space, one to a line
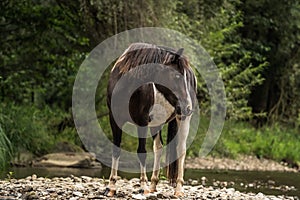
[273, 183]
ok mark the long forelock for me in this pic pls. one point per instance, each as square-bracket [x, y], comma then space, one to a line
[143, 53]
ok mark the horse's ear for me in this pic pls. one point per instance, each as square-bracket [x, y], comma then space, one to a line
[179, 52]
[177, 55]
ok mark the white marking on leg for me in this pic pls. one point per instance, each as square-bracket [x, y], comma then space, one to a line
[157, 149]
[182, 134]
[144, 179]
[113, 173]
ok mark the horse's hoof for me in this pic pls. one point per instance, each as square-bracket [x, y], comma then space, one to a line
[146, 191]
[153, 190]
[109, 193]
[179, 194]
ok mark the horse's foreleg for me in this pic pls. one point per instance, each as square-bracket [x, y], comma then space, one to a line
[142, 155]
[111, 189]
[183, 130]
[157, 149]
[179, 182]
[117, 137]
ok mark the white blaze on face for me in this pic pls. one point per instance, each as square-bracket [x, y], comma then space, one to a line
[189, 99]
[161, 109]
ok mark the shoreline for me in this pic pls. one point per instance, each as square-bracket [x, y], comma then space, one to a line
[242, 163]
[88, 160]
[90, 187]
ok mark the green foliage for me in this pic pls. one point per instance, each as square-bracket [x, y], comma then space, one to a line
[10, 175]
[26, 128]
[32, 129]
[255, 45]
[216, 28]
[5, 149]
[275, 33]
[40, 54]
[106, 18]
[273, 142]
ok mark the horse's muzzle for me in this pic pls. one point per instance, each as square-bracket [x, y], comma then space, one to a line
[186, 110]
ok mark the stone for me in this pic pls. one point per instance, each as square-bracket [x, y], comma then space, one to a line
[194, 182]
[79, 194]
[68, 159]
[259, 195]
[151, 197]
[34, 177]
[28, 188]
[92, 188]
[86, 179]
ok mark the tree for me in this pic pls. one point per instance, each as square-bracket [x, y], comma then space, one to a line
[216, 24]
[272, 29]
[42, 47]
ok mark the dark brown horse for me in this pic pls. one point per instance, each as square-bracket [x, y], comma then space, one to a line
[150, 86]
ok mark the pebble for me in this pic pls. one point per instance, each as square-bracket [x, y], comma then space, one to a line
[79, 194]
[34, 177]
[138, 196]
[84, 187]
[249, 163]
[194, 182]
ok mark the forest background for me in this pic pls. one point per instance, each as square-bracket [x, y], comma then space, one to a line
[255, 44]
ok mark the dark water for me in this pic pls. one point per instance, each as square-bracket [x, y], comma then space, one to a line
[274, 183]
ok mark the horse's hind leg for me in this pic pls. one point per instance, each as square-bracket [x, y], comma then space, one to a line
[142, 155]
[157, 149]
[117, 137]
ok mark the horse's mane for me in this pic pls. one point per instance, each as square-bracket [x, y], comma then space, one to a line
[143, 53]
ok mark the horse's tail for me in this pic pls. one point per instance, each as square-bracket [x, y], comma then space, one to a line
[172, 161]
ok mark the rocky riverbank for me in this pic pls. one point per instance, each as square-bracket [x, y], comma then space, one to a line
[88, 160]
[84, 187]
[243, 163]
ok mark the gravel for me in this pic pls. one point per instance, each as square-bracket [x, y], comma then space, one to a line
[84, 187]
[244, 163]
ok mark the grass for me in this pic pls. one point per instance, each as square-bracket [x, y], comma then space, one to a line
[273, 142]
[5, 149]
[31, 129]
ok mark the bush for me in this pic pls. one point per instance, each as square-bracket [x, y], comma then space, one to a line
[275, 142]
[5, 149]
[28, 128]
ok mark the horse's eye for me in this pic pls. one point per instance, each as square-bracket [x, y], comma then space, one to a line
[177, 76]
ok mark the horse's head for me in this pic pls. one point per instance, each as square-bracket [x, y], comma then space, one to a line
[176, 80]
[166, 67]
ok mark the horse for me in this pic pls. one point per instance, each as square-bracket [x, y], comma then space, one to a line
[165, 94]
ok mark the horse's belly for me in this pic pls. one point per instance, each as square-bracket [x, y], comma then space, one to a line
[161, 110]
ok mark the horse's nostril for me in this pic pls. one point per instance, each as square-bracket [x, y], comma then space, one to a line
[188, 108]
[183, 110]
[188, 111]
